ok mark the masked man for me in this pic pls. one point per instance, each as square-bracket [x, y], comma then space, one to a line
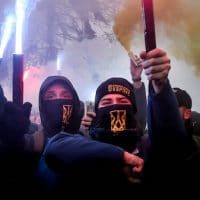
[115, 109]
[60, 110]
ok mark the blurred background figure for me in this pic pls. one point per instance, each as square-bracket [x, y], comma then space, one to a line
[17, 165]
[191, 118]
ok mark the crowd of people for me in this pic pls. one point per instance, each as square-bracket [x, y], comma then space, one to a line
[131, 145]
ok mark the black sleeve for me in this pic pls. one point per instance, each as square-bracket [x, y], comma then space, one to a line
[141, 104]
[66, 151]
[164, 119]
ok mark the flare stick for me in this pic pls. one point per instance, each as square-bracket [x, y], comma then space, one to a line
[18, 65]
[149, 25]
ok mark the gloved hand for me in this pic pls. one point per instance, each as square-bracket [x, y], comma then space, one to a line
[14, 123]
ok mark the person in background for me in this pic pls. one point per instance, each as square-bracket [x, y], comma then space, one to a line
[191, 118]
[191, 121]
[17, 165]
[195, 120]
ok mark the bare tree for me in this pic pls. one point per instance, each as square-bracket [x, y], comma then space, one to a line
[52, 22]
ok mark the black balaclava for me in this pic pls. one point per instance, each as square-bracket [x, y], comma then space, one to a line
[59, 114]
[116, 124]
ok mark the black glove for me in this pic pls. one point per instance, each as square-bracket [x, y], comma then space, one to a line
[14, 123]
[27, 109]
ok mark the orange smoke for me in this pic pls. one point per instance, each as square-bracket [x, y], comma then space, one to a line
[125, 21]
[181, 25]
[181, 19]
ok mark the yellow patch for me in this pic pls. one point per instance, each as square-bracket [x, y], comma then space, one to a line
[119, 88]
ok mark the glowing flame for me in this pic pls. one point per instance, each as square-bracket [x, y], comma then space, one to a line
[23, 10]
[7, 31]
[58, 63]
[20, 9]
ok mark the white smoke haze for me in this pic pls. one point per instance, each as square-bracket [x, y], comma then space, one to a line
[90, 62]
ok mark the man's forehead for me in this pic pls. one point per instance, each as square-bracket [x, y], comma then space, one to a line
[58, 86]
[113, 96]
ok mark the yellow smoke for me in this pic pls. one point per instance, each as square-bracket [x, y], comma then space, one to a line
[125, 21]
[181, 23]
[181, 18]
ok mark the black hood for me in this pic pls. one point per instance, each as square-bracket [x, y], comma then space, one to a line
[76, 113]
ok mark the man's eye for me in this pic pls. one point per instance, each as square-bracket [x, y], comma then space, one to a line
[104, 103]
[49, 97]
[124, 101]
[66, 96]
